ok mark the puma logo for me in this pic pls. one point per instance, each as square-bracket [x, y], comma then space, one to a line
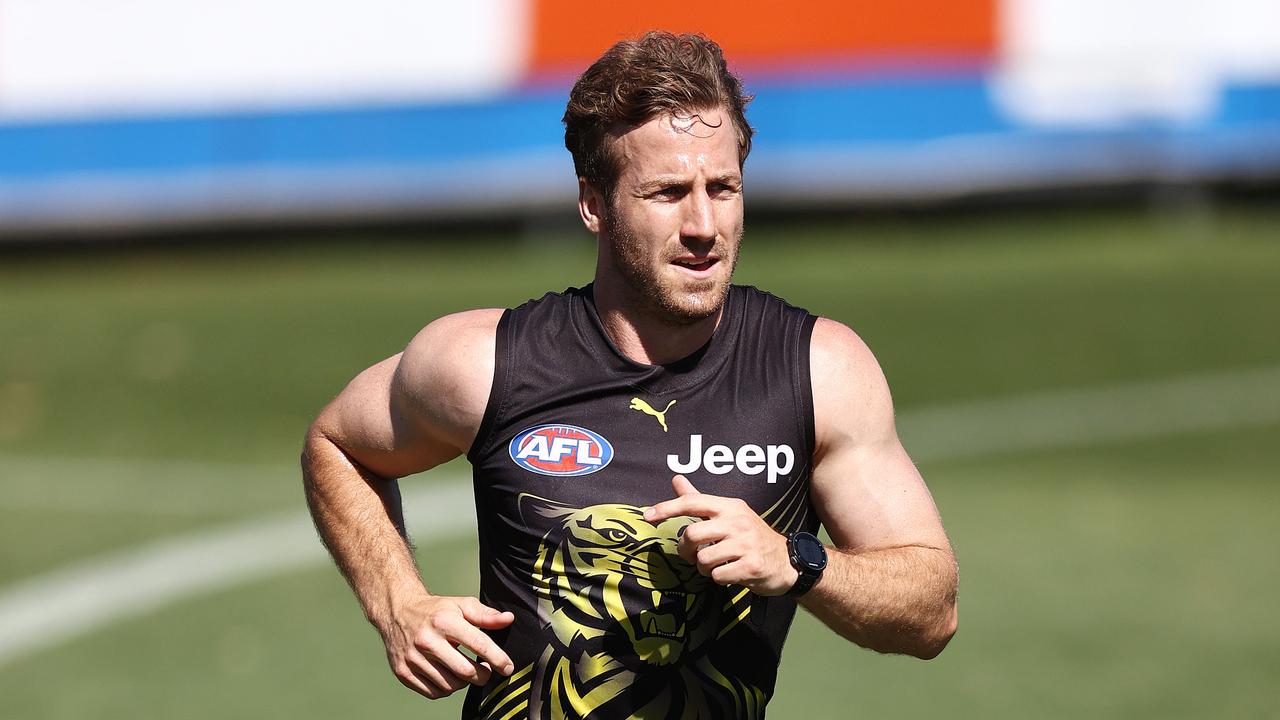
[647, 409]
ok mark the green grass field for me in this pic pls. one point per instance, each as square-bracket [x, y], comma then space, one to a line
[153, 393]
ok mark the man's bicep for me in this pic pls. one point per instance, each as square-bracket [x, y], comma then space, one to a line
[865, 487]
[422, 407]
[875, 498]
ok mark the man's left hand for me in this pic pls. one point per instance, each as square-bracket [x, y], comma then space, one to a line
[732, 544]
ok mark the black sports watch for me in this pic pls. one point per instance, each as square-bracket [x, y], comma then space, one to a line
[808, 557]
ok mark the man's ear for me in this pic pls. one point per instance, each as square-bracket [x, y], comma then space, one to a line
[590, 206]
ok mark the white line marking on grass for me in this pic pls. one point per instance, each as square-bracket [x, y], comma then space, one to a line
[46, 610]
[1082, 417]
[53, 608]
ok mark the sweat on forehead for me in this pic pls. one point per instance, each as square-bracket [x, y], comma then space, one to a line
[666, 142]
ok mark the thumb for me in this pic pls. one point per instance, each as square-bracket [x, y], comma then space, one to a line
[483, 616]
[682, 486]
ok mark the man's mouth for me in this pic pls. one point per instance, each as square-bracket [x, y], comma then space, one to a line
[696, 265]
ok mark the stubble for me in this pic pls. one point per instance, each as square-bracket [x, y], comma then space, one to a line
[647, 288]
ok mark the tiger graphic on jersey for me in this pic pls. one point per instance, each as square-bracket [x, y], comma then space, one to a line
[630, 623]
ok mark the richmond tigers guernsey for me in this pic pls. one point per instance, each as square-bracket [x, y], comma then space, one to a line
[576, 441]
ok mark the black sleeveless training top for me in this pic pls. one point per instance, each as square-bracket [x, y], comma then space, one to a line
[576, 441]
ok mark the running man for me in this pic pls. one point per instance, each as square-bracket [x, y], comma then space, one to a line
[652, 452]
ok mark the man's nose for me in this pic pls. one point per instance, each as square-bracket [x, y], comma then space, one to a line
[699, 220]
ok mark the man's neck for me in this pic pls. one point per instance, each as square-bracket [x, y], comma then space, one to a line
[643, 336]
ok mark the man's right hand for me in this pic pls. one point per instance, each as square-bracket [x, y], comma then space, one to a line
[406, 414]
[424, 637]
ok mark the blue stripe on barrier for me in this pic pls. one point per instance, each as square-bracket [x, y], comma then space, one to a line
[875, 111]
[401, 134]
[416, 134]
[866, 112]
[867, 137]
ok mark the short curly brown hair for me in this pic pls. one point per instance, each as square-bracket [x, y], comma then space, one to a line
[637, 79]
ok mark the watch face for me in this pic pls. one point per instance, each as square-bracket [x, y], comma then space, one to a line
[809, 551]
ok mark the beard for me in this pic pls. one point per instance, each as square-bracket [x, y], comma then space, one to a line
[641, 268]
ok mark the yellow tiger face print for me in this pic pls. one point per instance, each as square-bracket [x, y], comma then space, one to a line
[633, 627]
[611, 583]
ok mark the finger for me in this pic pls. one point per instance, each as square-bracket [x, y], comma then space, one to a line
[480, 671]
[696, 536]
[696, 505]
[447, 679]
[410, 679]
[702, 533]
[483, 672]
[448, 658]
[428, 672]
[483, 646]
[416, 673]
[481, 615]
[682, 486]
[711, 557]
[729, 573]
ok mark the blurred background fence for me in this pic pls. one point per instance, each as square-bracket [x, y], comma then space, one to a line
[154, 113]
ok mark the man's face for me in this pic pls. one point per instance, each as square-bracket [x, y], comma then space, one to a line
[672, 229]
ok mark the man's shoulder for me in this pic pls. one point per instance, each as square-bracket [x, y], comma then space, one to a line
[850, 394]
[837, 342]
[469, 321]
[839, 356]
[446, 371]
[460, 334]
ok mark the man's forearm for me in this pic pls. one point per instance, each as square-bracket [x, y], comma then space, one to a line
[897, 600]
[360, 521]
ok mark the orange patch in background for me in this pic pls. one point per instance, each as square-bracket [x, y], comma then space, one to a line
[569, 34]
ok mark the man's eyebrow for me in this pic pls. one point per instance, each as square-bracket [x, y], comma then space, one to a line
[662, 181]
[730, 176]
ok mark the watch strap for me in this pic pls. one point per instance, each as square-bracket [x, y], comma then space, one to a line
[806, 575]
[804, 582]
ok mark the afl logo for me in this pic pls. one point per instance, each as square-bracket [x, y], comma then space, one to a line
[565, 450]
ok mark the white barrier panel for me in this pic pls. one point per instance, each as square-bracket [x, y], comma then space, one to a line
[86, 58]
[1091, 63]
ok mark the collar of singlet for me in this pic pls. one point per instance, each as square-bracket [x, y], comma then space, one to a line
[681, 374]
